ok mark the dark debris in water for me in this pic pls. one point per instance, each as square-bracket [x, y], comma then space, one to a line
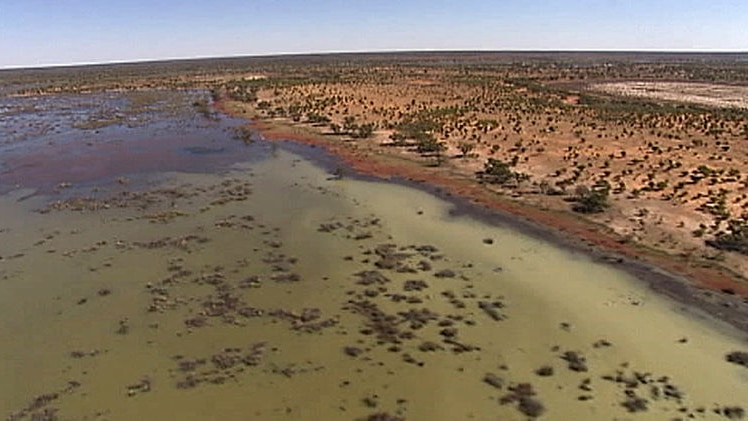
[400, 324]
[184, 242]
[145, 385]
[523, 395]
[494, 380]
[738, 357]
[384, 416]
[576, 361]
[40, 407]
[218, 368]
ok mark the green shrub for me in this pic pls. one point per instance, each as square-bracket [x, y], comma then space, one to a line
[499, 172]
[592, 200]
[735, 238]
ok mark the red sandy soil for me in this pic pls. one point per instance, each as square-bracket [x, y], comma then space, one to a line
[380, 164]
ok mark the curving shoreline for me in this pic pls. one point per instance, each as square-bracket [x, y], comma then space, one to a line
[713, 290]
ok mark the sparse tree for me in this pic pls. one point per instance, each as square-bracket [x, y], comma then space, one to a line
[592, 200]
[465, 148]
[735, 238]
[499, 172]
[349, 124]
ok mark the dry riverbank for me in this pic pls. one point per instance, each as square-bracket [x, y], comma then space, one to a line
[707, 287]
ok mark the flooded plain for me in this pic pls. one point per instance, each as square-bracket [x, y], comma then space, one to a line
[158, 267]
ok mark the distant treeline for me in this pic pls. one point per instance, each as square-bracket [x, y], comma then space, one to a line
[724, 67]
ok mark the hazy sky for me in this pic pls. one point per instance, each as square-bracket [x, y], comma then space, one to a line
[44, 32]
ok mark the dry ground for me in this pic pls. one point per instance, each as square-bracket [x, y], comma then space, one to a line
[677, 174]
[696, 93]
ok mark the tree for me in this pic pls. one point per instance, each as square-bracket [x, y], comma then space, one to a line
[317, 119]
[349, 124]
[592, 200]
[499, 172]
[430, 145]
[734, 239]
[364, 131]
[418, 130]
[465, 148]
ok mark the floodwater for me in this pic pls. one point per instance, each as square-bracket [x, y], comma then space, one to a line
[202, 278]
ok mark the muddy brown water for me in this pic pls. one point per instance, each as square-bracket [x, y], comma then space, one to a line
[265, 287]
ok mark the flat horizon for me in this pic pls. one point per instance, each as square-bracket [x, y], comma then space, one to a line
[373, 52]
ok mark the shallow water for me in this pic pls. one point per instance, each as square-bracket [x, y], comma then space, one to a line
[269, 289]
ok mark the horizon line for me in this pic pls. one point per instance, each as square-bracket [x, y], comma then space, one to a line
[376, 51]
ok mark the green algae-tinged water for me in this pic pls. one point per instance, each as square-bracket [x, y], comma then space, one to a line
[246, 305]
[306, 374]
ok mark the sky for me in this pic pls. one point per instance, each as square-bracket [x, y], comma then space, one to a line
[60, 32]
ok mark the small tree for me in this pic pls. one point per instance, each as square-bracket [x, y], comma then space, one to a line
[592, 200]
[497, 172]
[735, 238]
[349, 124]
[465, 148]
[317, 119]
[364, 131]
[430, 146]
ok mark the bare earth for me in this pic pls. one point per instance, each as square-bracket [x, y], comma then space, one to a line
[696, 93]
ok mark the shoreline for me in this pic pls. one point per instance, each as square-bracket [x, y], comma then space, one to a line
[712, 290]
